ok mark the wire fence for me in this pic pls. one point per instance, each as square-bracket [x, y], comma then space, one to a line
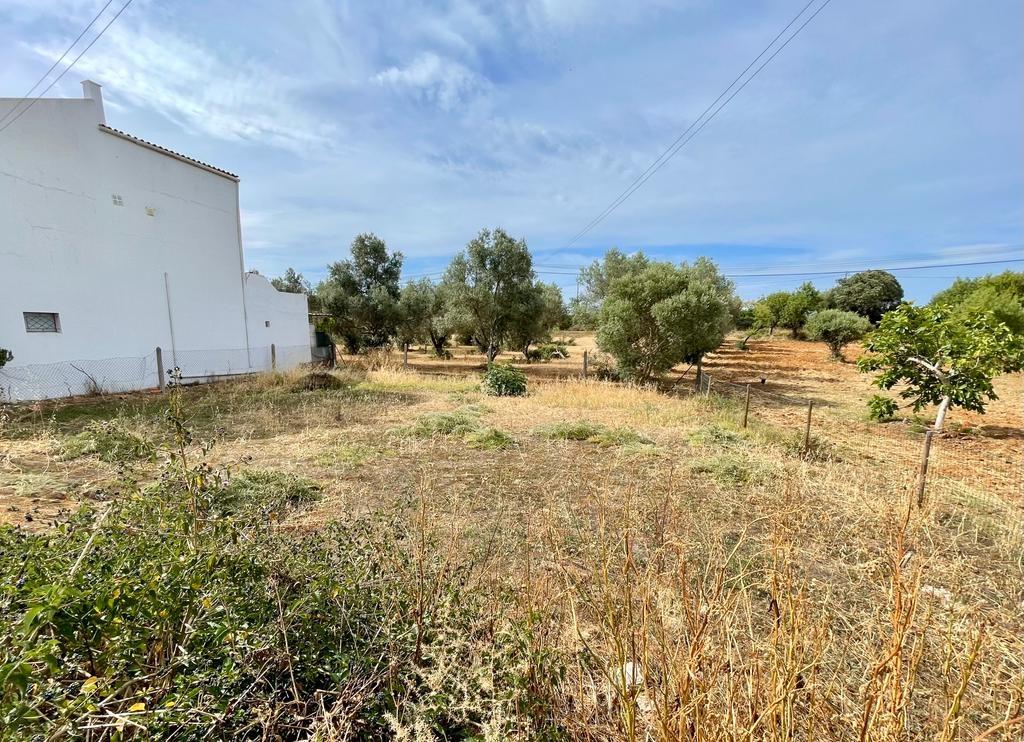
[958, 476]
[33, 382]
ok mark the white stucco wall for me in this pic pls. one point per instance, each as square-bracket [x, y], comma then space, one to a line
[120, 276]
[278, 318]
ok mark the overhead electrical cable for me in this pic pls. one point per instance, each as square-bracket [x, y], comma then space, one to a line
[68, 68]
[701, 121]
[892, 268]
[59, 60]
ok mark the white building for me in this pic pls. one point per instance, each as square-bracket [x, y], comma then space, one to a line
[111, 246]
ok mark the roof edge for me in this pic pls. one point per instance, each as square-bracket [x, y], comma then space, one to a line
[168, 152]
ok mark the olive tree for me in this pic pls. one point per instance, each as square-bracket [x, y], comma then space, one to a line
[665, 314]
[361, 295]
[938, 357]
[836, 329]
[488, 288]
[6, 357]
[597, 279]
[422, 317]
[541, 311]
[291, 282]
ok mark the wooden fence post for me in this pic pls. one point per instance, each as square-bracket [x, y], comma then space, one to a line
[746, 406]
[807, 427]
[159, 368]
[923, 471]
[586, 362]
[405, 355]
[708, 392]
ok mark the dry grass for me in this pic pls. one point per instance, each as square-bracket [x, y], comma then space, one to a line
[716, 585]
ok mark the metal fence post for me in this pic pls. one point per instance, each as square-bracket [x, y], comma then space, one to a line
[159, 368]
[923, 472]
[807, 427]
[273, 357]
[586, 360]
[405, 355]
[746, 406]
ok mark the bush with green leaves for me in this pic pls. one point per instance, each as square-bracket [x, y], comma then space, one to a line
[882, 409]
[504, 381]
[548, 351]
[602, 435]
[179, 609]
[939, 357]
[108, 440]
[836, 329]
[6, 357]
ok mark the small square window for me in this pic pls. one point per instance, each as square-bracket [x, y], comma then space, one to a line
[267, 323]
[42, 321]
[116, 198]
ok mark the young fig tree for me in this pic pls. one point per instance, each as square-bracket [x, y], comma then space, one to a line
[942, 358]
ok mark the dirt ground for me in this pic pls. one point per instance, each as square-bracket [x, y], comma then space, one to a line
[785, 374]
[985, 452]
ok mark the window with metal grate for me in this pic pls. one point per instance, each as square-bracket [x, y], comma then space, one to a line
[42, 321]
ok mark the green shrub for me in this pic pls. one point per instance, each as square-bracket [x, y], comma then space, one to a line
[589, 432]
[504, 381]
[264, 491]
[181, 610]
[491, 438]
[715, 435]
[459, 423]
[881, 408]
[547, 351]
[108, 440]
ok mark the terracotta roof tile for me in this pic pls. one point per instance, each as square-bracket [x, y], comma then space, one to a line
[169, 152]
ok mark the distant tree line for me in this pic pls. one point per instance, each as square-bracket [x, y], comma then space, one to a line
[489, 297]
[650, 316]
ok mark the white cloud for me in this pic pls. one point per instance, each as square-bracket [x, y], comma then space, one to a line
[434, 79]
[233, 99]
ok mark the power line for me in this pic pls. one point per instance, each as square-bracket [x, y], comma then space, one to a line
[557, 272]
[68, 68]
[686, 136]
[61, 59]
[892, 268]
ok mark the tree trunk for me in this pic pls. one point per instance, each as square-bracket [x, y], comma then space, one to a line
[700, 370]
[940, 416]
[438, 342]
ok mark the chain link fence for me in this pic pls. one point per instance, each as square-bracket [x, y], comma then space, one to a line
[40, 381]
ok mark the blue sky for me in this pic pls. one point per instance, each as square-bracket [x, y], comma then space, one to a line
[884, 134]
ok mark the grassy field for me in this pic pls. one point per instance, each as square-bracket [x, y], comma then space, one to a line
[591, 561]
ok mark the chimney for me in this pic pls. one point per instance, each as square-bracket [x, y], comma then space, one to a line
[94, 91]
